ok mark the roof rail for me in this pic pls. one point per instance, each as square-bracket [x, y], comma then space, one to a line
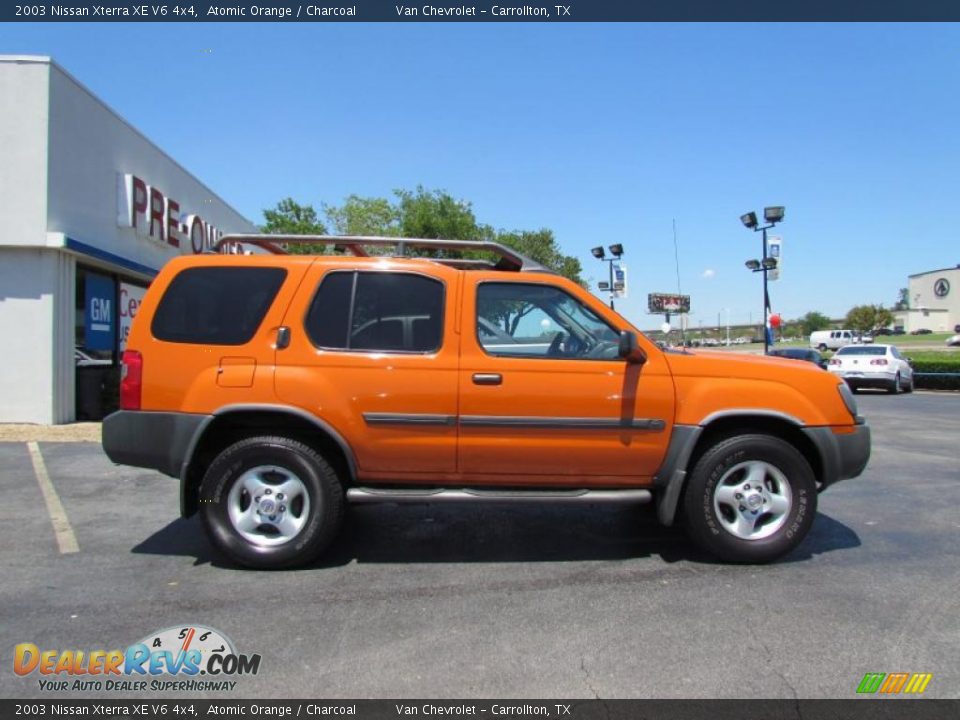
[509, 259]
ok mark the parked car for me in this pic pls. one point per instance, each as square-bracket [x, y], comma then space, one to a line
[953, 341]
[876, 366]
[800, 354]
[278, 387]
[921, 331]
[831, 339]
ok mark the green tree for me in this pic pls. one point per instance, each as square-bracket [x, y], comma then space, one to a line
[813, 321]
[866, 318]
[903, 299]
[291, 218]
[364, 216]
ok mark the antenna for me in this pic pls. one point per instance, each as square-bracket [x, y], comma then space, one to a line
[676, 260]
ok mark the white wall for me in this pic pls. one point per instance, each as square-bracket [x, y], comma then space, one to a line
[36, 322]
[23, 151]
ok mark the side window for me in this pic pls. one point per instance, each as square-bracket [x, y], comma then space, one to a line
[377, 311]
[540, 321]
[216, 305]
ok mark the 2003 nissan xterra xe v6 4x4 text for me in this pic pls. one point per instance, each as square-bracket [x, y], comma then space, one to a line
[277, 387]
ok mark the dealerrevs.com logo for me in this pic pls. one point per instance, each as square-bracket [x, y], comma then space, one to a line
[183, 658]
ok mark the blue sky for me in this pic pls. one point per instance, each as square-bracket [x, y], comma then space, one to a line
[604, 133]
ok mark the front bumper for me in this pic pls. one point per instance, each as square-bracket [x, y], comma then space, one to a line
[843, 455]
[157, 440]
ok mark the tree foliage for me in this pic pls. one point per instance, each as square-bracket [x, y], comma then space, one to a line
[903, 299]
[418, 213]
[866, 318]
[813, 321]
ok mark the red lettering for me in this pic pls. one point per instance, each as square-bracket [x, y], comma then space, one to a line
[138, 202]
[196, 230]
[156, 212]
[173, 223]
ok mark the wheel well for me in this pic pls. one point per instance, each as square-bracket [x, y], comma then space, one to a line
[225, 430]
[727, 427]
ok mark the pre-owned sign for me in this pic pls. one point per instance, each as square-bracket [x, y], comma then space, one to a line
[155, 216]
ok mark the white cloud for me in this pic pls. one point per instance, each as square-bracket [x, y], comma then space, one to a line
[708, 273]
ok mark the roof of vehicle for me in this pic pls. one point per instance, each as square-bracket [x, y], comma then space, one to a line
[469, 252]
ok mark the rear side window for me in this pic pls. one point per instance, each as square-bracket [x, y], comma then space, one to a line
[216, 305]
[377, 311]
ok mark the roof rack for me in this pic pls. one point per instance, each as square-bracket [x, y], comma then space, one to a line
[508, 259]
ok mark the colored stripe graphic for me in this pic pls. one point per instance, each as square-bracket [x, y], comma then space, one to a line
[918, 682]
[893, 683]
[871, 682]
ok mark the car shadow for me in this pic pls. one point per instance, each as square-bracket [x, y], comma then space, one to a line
[494, 533]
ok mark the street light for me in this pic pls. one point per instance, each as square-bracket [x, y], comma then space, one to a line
[615, 250]
[772, 215]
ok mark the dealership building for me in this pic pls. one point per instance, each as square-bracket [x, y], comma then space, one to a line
[933, 299]
[91, 210]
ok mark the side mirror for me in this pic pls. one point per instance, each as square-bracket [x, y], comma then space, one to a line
[629, 350]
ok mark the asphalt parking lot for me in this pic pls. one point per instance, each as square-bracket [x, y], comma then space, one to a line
[565, 602]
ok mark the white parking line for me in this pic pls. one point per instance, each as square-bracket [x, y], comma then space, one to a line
[66, 540]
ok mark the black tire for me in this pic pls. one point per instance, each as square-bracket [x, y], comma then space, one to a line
[895, 387]
[822, 347]
[702, 522]
[318, 477]
[909, 388]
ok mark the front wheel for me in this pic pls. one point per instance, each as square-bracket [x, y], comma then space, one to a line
[271, 502]
[750, 499]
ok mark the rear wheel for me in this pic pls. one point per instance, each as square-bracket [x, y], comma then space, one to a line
[750, 499]
[896, 388]
[822, 347]
[271, 502]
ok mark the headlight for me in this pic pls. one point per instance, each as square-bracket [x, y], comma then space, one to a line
[848, 399]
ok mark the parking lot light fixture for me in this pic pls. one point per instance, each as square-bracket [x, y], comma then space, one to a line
[615, 250]
[772, 214]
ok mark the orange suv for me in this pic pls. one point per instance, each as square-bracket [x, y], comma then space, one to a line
[279, 387]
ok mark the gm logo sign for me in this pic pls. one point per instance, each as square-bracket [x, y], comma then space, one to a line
[894, 683]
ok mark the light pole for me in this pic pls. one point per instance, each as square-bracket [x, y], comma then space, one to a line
[615, 250]
[772, 215]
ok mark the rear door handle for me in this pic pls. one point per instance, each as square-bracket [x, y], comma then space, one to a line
[487, 378]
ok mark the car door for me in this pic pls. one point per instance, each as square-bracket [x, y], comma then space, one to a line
[373, 353]
[544, 397]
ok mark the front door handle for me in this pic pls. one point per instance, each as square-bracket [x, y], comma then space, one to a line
[283, 337]
[487, 378]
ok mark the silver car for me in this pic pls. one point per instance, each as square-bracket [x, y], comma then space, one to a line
[873, 366]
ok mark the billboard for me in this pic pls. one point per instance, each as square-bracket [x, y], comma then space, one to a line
[662, 303]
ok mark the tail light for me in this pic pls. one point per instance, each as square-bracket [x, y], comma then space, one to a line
[879, 361]
[834, 361]
[131, 380]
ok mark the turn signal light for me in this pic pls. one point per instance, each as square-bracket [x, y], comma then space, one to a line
[879, 361]
[131, 380]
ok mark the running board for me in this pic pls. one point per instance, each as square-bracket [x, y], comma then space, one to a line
[441, 495]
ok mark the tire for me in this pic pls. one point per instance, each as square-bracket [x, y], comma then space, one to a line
[786, 506]
[909, 387]
[822, 347]
[241, 483]
[896, 387]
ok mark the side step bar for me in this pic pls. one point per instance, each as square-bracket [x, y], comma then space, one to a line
[459, 495]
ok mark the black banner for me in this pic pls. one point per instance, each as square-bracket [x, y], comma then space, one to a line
[855, 709]
[466, 11]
